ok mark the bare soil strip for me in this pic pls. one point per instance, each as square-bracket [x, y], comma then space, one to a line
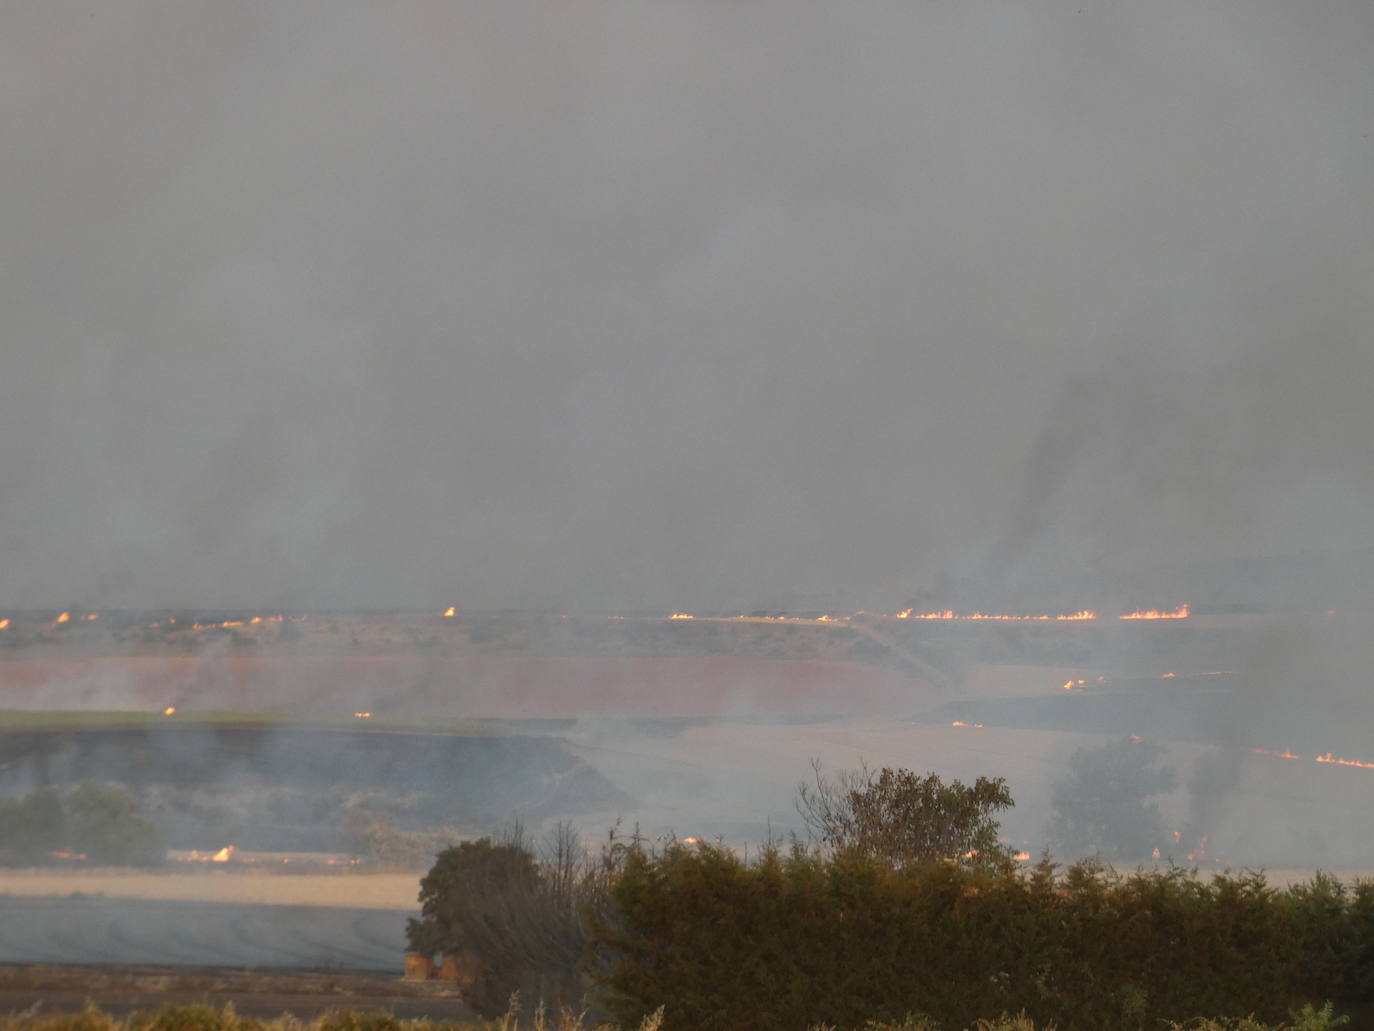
[351, 889]
[122, 989]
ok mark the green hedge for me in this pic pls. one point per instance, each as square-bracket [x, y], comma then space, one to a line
[792, 941]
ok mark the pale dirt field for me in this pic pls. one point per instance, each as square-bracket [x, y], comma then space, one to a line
[354, 890]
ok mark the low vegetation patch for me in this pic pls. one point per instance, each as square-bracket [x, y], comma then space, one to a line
[210, 1018]
[94, 822]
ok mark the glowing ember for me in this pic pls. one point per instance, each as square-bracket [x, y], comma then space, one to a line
[171, 710]
[450, 612]
[223, 855]
[961, 723]
[68, 855]
[1180, 613]
[682, 615]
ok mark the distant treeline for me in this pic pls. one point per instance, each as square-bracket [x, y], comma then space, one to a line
[93, 822]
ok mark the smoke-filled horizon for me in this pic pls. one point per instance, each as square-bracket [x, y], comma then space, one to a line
[676, 303]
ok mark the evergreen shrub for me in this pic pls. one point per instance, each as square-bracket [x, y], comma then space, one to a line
[797, 939]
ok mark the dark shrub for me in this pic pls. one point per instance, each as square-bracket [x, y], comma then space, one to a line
[799, 940]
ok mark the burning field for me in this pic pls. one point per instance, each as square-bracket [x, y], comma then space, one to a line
[259, 744]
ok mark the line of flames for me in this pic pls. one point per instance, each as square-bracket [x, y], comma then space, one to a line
[1328, 757]
[1179, 613]
[1044, 617]
[451, 612]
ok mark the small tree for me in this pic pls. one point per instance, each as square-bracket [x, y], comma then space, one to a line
[517, 915]
[1103, 807]
[31, 827]
[903, 818]
[103, 822]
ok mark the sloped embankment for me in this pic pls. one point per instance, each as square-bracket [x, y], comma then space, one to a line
[294, 786]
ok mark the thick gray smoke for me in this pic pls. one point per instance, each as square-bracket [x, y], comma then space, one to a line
[675, 303]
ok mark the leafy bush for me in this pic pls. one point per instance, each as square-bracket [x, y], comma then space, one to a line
[194, 1017]
[901, 817]
[353, 1020]
[799, 939]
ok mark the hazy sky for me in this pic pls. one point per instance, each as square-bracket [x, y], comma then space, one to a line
[688, 302]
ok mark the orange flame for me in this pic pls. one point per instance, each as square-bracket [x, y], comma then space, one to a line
[450, 612]
[1167, 676]
[4, 623]
[362, 715]
[1180, 613]
[223, 855]
[1069, 685]
[904, 614]
[171, 710]
[961, 723]
[1022, 857]
[63, 618]
[1081, 614]
[1329, 758]
[682, 615]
